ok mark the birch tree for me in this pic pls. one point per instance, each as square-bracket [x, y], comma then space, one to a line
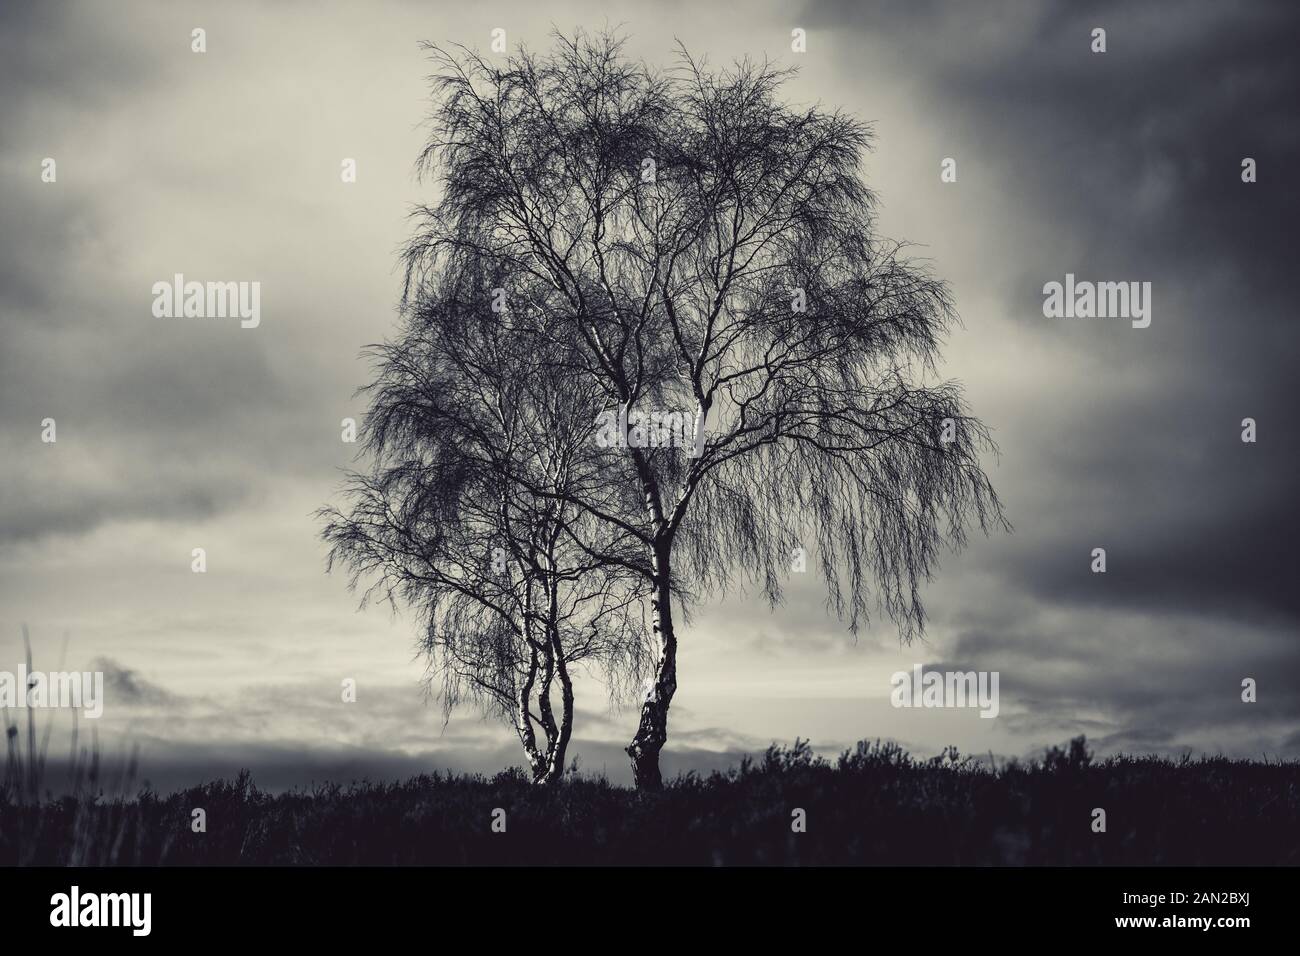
[689, 241]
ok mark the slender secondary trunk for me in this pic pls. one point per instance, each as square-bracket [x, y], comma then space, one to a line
[524, 721]
[652, 731]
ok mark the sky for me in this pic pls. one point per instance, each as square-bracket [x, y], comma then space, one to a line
[174, 434]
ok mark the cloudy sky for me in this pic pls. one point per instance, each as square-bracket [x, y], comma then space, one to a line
[174, 434]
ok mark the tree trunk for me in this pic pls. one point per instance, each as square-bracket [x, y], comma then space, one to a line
[546, 716]
[558, 750]
[652, 731]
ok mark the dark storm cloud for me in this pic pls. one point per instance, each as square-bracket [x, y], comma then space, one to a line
[1134, 155]
[1140, 683]
[1191, 518]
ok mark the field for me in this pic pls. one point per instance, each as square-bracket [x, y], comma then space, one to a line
[874, 805]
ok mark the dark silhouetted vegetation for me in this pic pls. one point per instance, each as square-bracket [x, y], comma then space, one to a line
[874, 805]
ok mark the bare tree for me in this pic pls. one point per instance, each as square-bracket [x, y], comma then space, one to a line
[689, 241]
[462, 424]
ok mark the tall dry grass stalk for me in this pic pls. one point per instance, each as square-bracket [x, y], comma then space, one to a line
[101, 814]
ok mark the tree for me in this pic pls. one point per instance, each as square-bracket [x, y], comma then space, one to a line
[687, 241]
[462, 424]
